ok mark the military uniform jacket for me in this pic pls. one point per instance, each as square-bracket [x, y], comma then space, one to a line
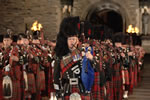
[65, 69]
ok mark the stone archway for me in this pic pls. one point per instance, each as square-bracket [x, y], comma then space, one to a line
[109, 18]
[108, 6]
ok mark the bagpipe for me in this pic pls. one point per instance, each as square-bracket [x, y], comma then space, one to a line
[32, 68]
[87, 73]
[44, 51]
[28, 70]
[38, 65]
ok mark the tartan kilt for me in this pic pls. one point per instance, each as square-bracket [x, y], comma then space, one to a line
[102, 94]
[75, 89]
[107, 86]
[117, 83]
[16, 95]
[135, 75]
[126, 76]
[131, 80]
[50, 81]
[40, 80]
[34, 67]
[31, 83]
[17, 72]
[95, 92]
[109, 90]
[16, 84]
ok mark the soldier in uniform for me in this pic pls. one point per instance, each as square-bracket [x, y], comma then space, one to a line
[34, 65]
[17, 66]
[5, 51]
[11, 80]
[41, 67]
[117, 68]
[23, 43]
[68, 81]
[7, 41]
[126, 65]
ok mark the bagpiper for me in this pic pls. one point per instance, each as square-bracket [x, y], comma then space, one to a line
[70, 65]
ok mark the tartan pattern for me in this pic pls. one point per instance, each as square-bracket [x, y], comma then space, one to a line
[126, 76]
[64, 69]
[50, 86]
[34, 67]
[40, 83]
[102, 94]
[65, 65]
[40, 80]
[131, 79]
[117, 83]
[96, 87]
[109, 92]
[135, 75]
[16, 95]
[113, 89]
[67, 62]
[16, 76]
[31, 83]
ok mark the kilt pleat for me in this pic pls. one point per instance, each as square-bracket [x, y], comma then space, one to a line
[31, 83]
[40, 80]
[16, 95]
[131, 80]
[109, 86]
[102, 94]
[135, 75]
[96, 87]
[117, 83]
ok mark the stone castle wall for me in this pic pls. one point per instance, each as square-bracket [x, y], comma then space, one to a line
[15, 14]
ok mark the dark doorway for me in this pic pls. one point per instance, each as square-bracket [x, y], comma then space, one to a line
[108, 18]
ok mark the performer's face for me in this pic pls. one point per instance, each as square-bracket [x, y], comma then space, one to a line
[35, 41]
[118, 44]
[7, 42]
[72, 42]
[26, 41]
[20, 41]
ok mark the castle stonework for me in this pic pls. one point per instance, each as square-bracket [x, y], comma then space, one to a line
[16, 14]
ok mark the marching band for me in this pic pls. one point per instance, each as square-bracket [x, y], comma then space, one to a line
[84, 63]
